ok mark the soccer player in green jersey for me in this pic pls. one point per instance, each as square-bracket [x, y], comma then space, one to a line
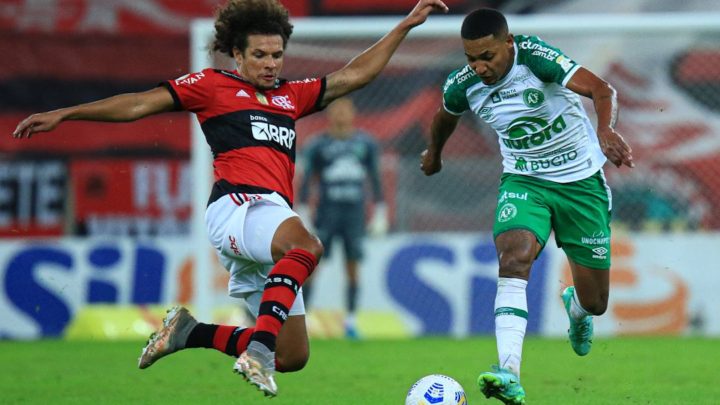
[528, 91]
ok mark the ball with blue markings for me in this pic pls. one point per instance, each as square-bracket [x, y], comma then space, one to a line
[436, 389]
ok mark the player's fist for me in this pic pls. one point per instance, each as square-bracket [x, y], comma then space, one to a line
[615, 148]
[430, 163]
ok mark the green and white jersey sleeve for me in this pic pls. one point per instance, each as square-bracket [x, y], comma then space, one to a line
[542, 127]
[454, 91]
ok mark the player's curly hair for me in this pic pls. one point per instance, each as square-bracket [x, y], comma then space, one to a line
[240, 18]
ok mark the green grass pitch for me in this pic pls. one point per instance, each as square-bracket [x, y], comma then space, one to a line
[617, 371]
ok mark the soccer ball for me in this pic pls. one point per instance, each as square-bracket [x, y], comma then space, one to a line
[436, 389]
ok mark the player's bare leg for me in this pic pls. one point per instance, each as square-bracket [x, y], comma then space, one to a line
[350, 325]
[517, 250]
[296, 253]
[293, 347]
[588, 297]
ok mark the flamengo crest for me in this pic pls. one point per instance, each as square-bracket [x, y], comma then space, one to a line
[283, 102]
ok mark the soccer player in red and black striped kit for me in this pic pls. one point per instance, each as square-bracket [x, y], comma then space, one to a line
[248, 118]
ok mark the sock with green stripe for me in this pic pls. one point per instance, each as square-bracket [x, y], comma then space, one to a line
[510, 322]
[577, 312]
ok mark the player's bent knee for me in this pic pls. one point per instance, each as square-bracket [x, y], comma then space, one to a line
[596, 306]
[292, 362]
[314, 246]
[293, 235]
[515, 266]
[310, 244]
[596, 310]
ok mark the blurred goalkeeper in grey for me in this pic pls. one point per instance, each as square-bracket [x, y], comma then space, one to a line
[343, 162]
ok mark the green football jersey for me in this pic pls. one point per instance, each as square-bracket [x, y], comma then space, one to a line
[542, 126]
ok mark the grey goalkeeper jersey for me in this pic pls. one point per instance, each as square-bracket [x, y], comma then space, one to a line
[542, 126]
[344, 168]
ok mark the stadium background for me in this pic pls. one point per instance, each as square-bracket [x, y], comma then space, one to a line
[95, 218]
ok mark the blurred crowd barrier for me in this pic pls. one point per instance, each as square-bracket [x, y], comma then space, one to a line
[410, 285]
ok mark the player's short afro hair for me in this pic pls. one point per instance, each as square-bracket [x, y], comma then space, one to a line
[240, 18]
[483, 22]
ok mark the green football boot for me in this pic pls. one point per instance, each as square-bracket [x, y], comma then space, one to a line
[580, 332]
[503, 385]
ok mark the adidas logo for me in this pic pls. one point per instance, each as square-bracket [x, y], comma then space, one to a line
[242, 93]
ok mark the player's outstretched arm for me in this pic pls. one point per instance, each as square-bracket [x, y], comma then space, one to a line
[586, 83]
[362, 69]
[443, 125]
[120, 108]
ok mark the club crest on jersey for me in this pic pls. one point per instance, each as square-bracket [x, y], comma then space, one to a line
[283, 102]
[533, 97]
[190, 78]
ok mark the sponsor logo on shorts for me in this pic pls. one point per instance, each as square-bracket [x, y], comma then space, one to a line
[600, 252]
[597, 238]
[507, 212]
[515, 196]
[233, 245]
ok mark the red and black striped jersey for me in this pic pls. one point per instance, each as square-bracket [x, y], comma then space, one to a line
[251, 132]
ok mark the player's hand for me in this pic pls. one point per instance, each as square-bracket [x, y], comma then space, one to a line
[41, 122]
[430, 163]
[379, 224]
[420, 13]
[613, 145]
